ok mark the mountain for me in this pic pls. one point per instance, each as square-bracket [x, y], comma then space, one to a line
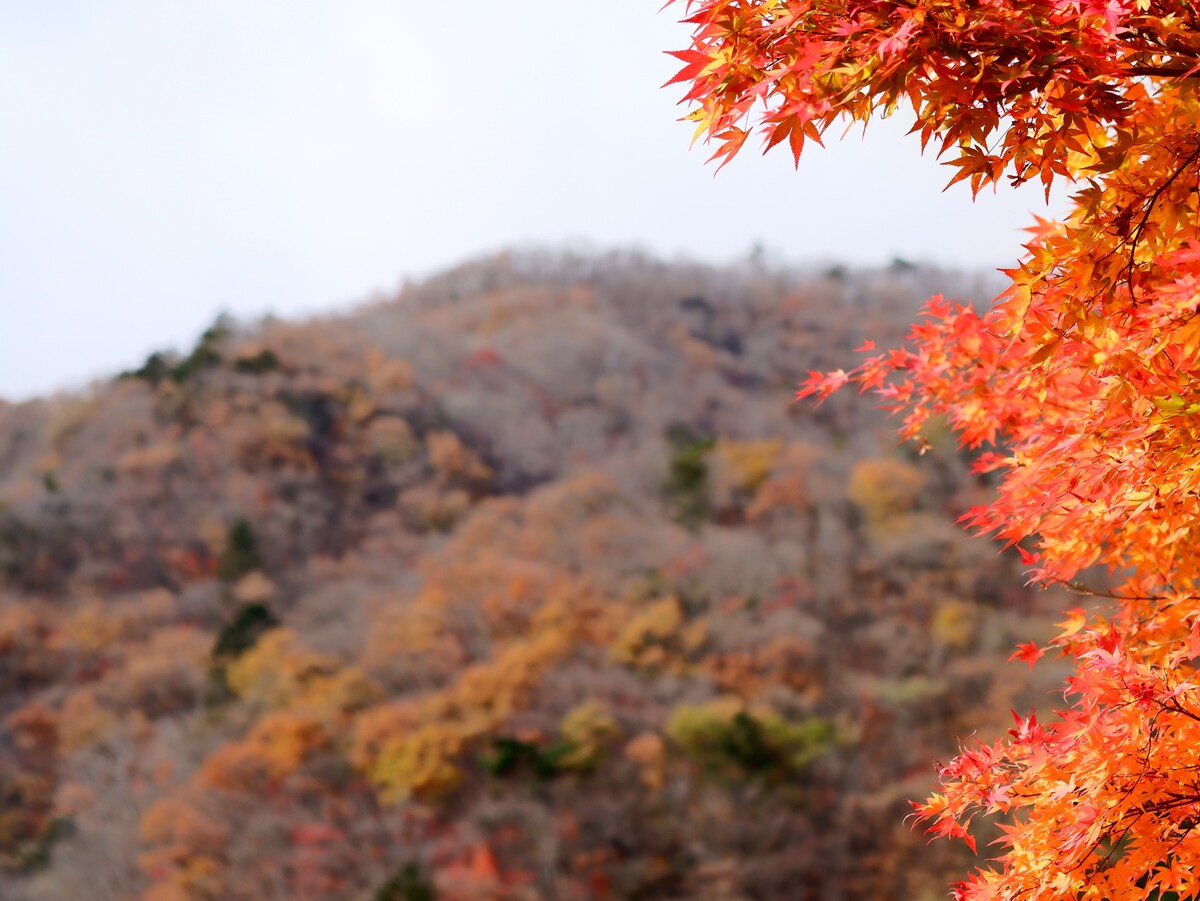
[531, 582]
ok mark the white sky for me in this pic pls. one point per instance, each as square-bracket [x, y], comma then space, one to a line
[163, 161]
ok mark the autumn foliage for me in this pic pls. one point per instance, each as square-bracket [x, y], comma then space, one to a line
[526, 583]
[1079, 381]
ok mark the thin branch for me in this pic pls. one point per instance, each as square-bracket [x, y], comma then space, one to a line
[1080, 588]
[1176, 71]
[1136, 237]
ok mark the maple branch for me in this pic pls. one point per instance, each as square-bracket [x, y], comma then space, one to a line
[1136, 238]
[1138, 812]
[1177, 71]
[1176, 707]
[1079, 588]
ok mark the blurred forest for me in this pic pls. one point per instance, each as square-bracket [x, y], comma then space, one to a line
[530, 582]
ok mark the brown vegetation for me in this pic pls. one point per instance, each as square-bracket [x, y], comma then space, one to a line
[530, 583]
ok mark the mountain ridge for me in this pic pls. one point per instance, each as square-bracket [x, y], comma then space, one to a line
[530, 582]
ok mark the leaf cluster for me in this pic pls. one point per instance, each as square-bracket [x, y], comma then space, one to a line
[1080, 385]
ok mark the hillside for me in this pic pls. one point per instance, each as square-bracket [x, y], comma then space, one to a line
[530, 582]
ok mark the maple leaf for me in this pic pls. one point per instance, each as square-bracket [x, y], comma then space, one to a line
[822, 384]
[1028, 652]
[1083, 376]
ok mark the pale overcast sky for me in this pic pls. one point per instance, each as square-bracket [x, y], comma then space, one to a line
[164, 161]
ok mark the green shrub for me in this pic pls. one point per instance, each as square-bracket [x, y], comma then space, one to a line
[257, 364]
[36, 854]
[511, 756]
[249, 624]
[243, 633]
[723, 736]
[154, 370]
[686, 485]
[409, 884]
[240, 556]
[207, 352]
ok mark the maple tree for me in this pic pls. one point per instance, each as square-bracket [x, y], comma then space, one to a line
[1080, 381]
